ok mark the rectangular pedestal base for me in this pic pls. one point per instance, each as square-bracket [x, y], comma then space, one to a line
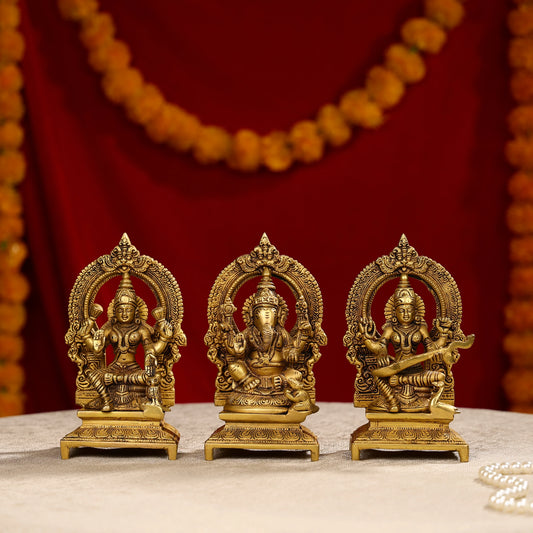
[407, 432]
[121, 429]
[262, 436]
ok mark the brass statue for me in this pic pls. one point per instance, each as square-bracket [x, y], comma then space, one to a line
[408, 393]
[265, 380]
[122, 402]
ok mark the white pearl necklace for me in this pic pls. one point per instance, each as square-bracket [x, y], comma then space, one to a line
[511, 498]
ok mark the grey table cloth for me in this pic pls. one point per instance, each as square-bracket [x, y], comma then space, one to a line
[136, 490]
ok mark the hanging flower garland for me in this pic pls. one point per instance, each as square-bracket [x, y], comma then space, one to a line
[14, 287]
[518, 344]
[246, 150]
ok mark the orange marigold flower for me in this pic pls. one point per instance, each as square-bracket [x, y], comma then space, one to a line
[519, 347]
[12, 167]
[517, 385]
[520, 217]
[162, 124]
[11, 404]
[520, 186]
[12, 255]
[11, 45]
[520, 120]
[521, 281]
[175, 126]
[77, 9]
[520, 20]
[11, 228]
[144, 105]
[12, 318]
[384, 87]
[11, 105]
[113, 55]
[245, 152]
[14, 287]
[519, 315]
[405, 62]
[11, 348]
[9, 16]
[10, 78]
[522, 86]
[185, 131]
[212, 145]
[10, 201]
[521, 250]
[519, 152]
[521, 53]
[307, 144]
[276, 152]
[360, 110]
[97, 30]
[446, 13]
[332, 125]
[11, 135]
[423, 35]
[11, 378]
[121, 84]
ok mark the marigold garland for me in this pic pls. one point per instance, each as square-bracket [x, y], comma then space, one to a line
[306, 141]
[518, 344]
[14, 286]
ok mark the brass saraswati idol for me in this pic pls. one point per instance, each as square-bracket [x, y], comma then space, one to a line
[408, 393]
[122, 402]
[265, 373]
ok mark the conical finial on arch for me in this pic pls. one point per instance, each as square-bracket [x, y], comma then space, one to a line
[403, 240]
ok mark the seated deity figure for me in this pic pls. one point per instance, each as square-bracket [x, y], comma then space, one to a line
[402, 381]
[262, 358]
[404, 373]
[123, 384]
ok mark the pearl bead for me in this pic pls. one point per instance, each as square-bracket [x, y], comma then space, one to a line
[512, 490]
[508, 506]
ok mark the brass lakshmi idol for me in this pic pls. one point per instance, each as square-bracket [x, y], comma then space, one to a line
[408, 396]
[122, 402]
[265, 379]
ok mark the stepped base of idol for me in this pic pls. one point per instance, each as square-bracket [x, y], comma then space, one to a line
[122, 429]
[263, 431]
[407, 431]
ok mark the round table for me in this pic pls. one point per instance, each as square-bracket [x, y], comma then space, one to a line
[271, 491]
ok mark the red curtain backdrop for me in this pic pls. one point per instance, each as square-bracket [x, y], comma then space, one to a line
[434, 171]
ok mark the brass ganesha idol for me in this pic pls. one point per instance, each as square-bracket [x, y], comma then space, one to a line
[122, 402]
[265, 379]
[405, 379]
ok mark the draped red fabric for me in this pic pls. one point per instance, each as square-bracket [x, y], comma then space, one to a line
[434, 171]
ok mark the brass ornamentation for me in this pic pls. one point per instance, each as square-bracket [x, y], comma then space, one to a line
[409, 397]
[265, 373]
[123, 403]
